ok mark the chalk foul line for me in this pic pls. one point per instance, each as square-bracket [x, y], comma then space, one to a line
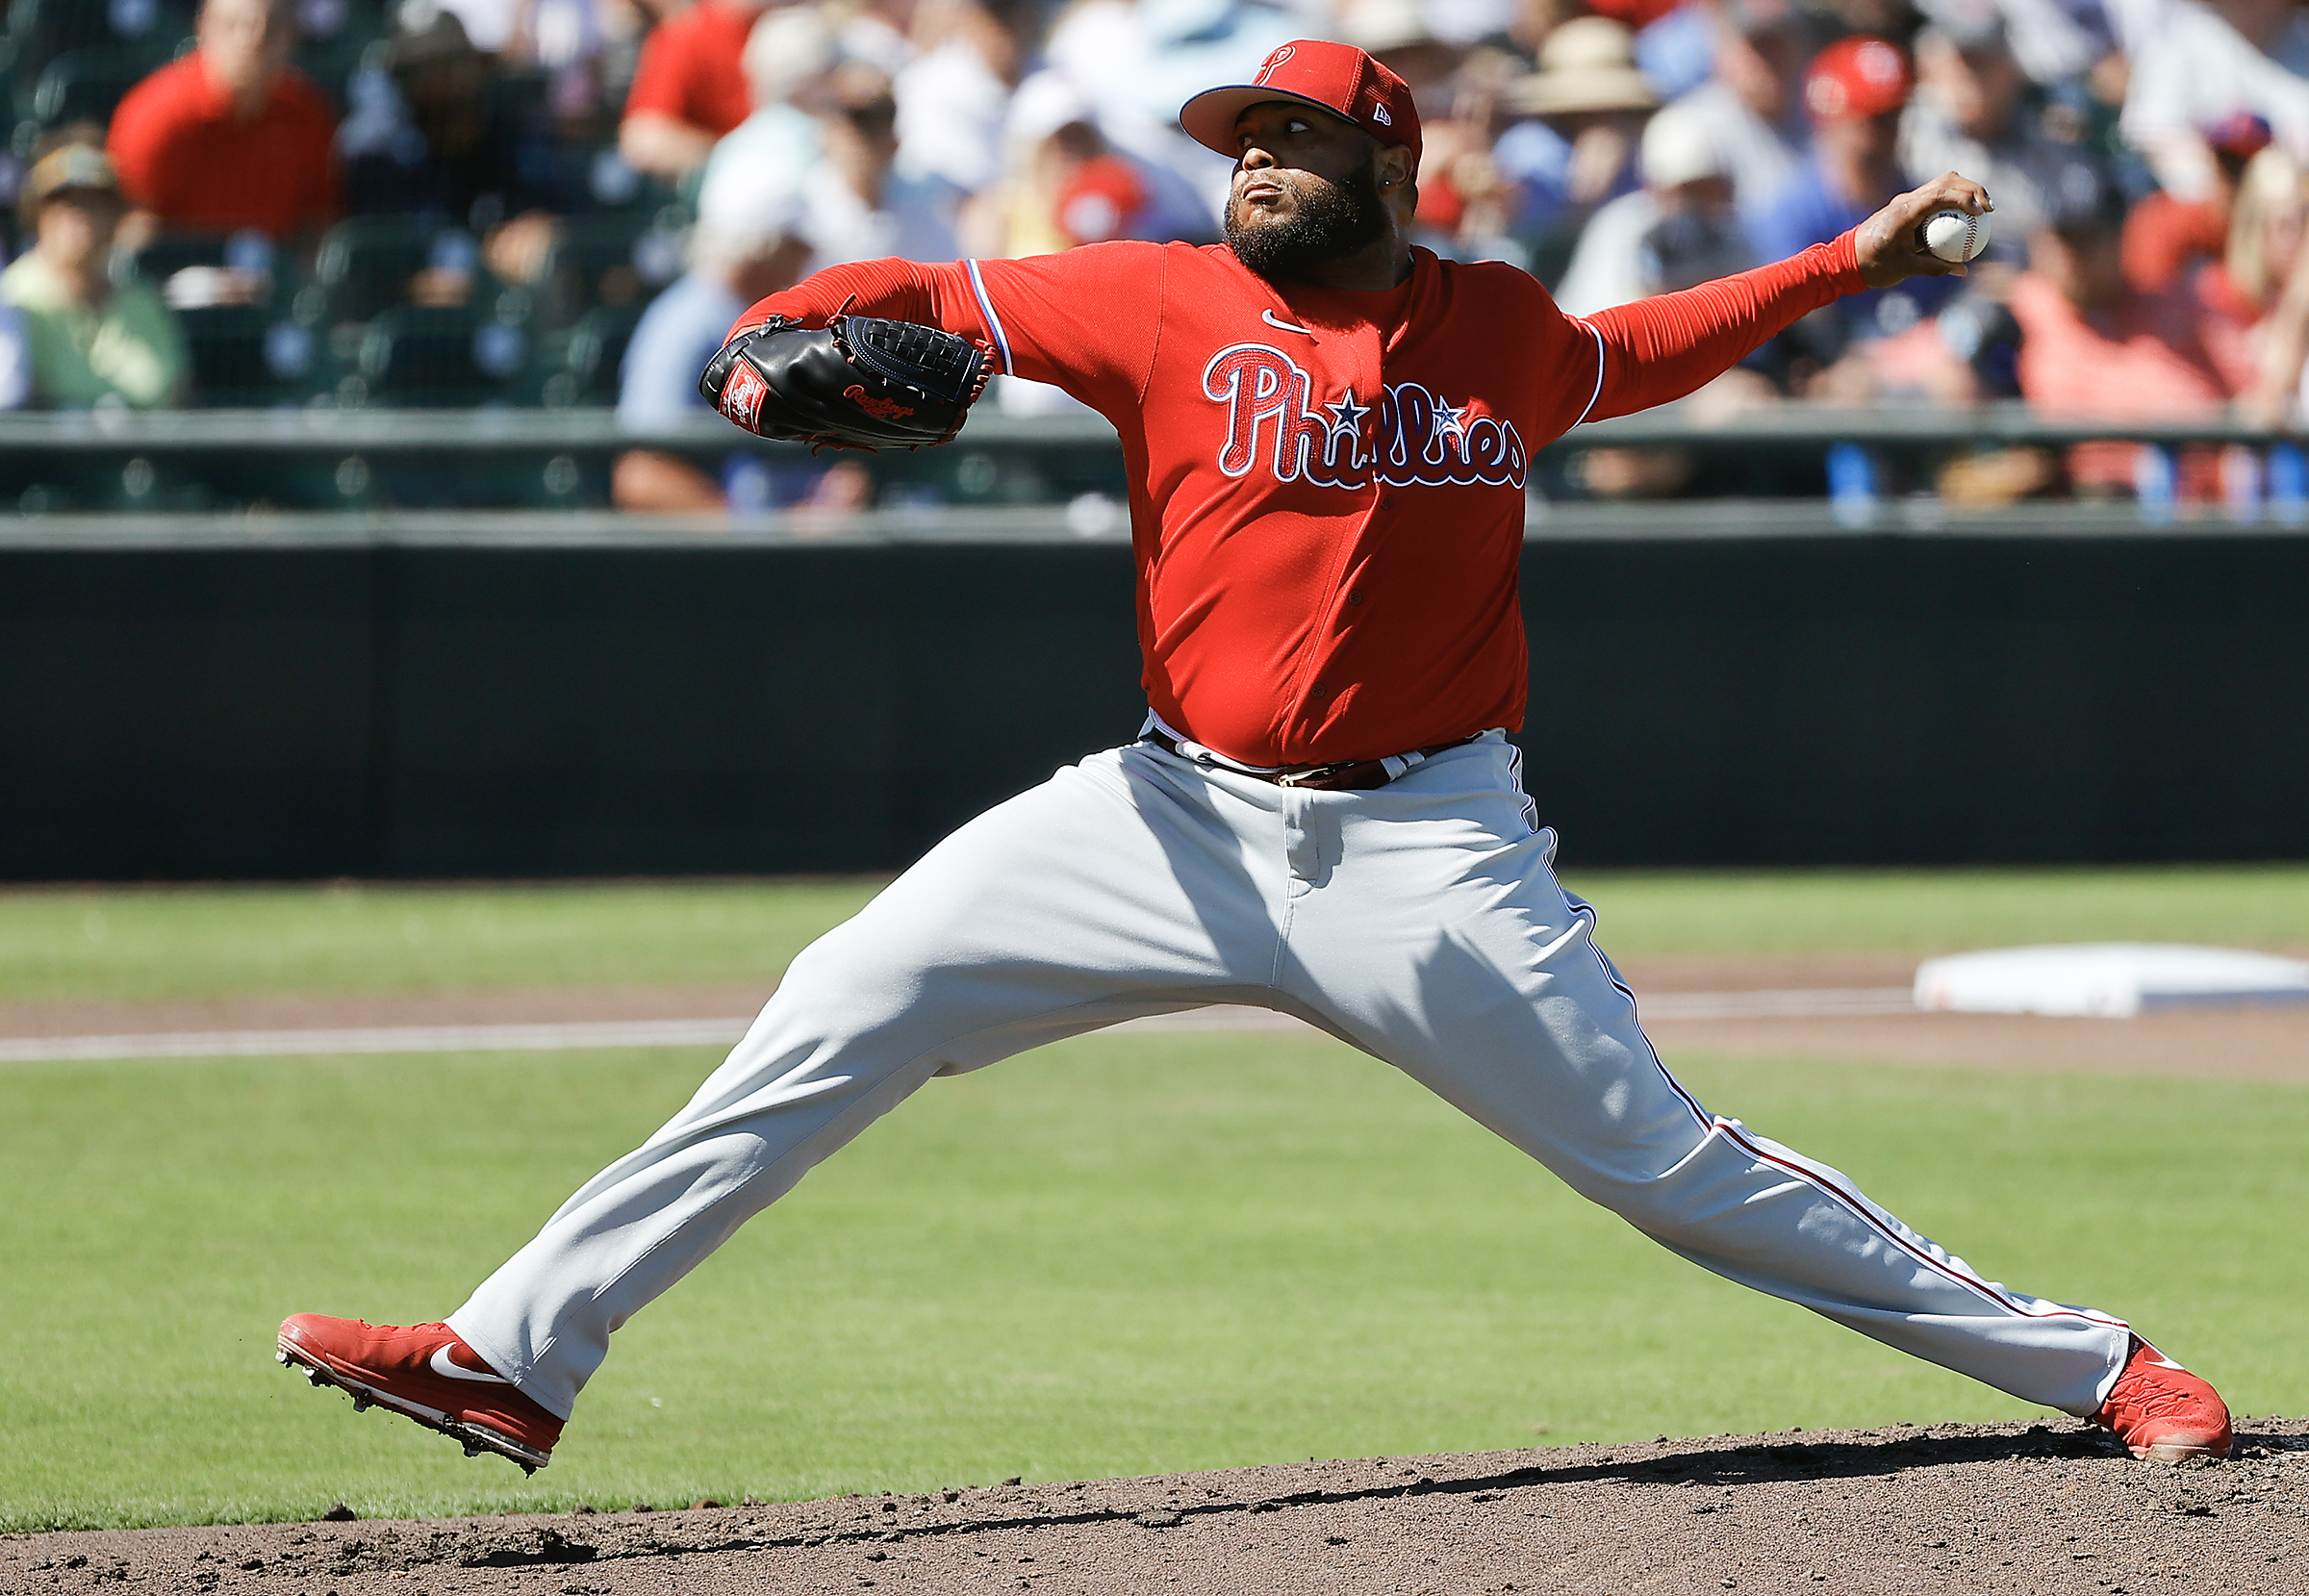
[571, 1035]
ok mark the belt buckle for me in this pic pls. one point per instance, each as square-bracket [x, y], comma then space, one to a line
[1300, 779]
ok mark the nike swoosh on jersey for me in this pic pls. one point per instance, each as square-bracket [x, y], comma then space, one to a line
[1273, 321]
[442, 1365]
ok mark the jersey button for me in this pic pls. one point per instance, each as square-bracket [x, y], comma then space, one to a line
[1386, 501]
[1354, 598]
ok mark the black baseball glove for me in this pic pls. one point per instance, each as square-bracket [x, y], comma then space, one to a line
[859, 383]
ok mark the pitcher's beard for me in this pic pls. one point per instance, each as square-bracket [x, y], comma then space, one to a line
[1332, 220]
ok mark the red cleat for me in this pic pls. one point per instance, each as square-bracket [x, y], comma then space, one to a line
[2162, 1412]
[424, 1373]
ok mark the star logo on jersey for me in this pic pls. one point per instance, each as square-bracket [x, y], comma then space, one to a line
[1409, 437]
[1347, 416]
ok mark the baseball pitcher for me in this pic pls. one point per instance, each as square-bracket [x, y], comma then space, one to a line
[1328, 433]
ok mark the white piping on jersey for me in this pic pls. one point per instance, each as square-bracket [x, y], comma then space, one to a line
[1593, 332]
[1273, 321]
[1001, 339]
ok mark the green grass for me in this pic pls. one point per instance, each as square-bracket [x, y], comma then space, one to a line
[99, 943]
[1121, 1254]
[169, 943]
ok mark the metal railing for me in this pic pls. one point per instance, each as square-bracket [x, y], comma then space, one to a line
[499, 475]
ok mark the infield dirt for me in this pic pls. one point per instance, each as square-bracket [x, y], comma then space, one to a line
[2055, 1508]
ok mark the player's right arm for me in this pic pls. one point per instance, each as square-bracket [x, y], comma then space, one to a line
[1086, 321]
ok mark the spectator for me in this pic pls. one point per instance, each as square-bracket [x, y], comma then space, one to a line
[954, 98]
[446, 143]
[1573, 148]
[230, 136]
[1139, 63]
[857, 203]
[2053, 40]
[2209, 62]
[690, 86]
[2166, 236]
[880, 32]
[1854, 92]
[738, 254]
[1969, 115]
[788, 57]
[1400, 35]
[92, 341]
[2247, 330]
[2091, 346]
[1067, 186]
[1752, 109]
[1679, 229]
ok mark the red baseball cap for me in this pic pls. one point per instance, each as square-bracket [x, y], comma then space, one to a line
[1337, 78]
[1855, 77]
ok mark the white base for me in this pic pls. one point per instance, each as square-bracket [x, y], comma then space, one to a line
[2109, 981]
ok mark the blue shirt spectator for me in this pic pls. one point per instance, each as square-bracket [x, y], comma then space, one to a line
[735, 261]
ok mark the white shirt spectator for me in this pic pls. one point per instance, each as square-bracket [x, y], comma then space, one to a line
[2051, 40]
[769, 150]
[2200, 72]
[914, 222]
[1614, 264]
[1758, 157]
[951, 112]
[1607, 268]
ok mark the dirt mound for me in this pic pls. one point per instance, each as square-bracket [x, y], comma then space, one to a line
[2042, 1509]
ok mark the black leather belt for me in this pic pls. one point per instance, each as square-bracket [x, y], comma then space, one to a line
[1357, 775]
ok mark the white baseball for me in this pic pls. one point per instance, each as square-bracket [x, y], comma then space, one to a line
[1954, 236]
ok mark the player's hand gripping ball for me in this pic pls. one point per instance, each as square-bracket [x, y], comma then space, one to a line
[858, 383]
[1955, 236]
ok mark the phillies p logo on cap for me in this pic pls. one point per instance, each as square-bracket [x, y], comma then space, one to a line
[1337, 78]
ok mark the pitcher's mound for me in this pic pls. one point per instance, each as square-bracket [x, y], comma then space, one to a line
[2038, 1509]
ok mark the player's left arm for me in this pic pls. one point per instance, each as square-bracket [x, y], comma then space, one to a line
[1659, 349]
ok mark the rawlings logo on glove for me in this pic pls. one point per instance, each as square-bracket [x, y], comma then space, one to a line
[882, 410]
[858, 383]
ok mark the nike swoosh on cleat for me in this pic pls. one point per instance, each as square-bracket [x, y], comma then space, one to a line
[455, 1370]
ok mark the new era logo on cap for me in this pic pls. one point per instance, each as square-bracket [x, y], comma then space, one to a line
[1337, 78]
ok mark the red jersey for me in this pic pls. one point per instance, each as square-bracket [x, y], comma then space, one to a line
[1327, 487]
[184, 153]
[691, 68]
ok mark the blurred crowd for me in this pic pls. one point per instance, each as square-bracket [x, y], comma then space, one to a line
[566, 202]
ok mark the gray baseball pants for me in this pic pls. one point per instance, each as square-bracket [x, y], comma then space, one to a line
[1421, 923]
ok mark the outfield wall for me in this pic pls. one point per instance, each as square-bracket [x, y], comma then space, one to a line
[380, 706]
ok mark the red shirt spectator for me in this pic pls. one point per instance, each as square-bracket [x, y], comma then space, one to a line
[2119, 356]
[688, 87]
[2166, 236]
[230, 136]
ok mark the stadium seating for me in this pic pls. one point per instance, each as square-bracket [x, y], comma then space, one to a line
[84, 86]
[419, 356]
[364, 264]
[593, 355]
